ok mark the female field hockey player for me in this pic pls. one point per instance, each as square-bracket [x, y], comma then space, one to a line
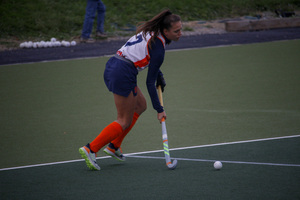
[145, 49]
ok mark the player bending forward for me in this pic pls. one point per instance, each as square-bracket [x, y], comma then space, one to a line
[145, 49]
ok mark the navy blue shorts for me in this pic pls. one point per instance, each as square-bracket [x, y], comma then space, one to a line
[120, 77]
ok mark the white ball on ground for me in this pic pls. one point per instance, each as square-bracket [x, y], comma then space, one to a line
[67, 44]
[49, 44]
[73, 43]
[53, 40]
[26, 44]
[22, 45]
[57, 43]
[42, 44]
[39, 44]
[29, 44]
[218, 165]
[34, 45]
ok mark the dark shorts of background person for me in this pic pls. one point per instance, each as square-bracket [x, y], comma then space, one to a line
[120, 76]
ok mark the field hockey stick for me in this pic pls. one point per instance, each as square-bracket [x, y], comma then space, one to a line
[169, 164]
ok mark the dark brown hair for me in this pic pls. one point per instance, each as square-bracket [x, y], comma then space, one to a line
[158, 23]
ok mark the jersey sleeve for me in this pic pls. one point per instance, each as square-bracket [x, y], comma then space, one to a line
[157, 54]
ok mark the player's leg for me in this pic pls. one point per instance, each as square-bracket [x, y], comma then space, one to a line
[114, 148]
[125, 101]
[141, 104]
[140, 107]
[125, 109]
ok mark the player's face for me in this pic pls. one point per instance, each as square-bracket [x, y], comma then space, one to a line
[174, 32]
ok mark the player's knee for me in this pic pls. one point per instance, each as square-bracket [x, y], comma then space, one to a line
[125, 123]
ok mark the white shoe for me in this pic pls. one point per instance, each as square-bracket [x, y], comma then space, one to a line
[90, 158]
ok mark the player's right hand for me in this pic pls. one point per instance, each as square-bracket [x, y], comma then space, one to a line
[161, 116]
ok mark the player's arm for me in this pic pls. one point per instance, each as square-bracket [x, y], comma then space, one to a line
[160, 81]
[157, 54]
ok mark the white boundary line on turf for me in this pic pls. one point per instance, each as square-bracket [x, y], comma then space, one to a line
[48, 164]
[223, 161]
[237, 142]
[155, 151]
[218, 144]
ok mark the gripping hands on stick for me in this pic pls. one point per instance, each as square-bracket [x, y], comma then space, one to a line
[169, 164]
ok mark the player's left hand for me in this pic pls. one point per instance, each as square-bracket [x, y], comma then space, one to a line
[161, 81]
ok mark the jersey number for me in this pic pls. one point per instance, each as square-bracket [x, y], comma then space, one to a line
[139, 39]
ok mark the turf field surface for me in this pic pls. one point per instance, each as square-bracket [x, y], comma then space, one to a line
[214, 95]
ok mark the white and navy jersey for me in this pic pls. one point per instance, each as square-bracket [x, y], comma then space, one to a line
[136, 50]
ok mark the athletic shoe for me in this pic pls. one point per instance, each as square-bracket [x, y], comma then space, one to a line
[89, 156]
[116, 153]
[100, 34]
[87, 40]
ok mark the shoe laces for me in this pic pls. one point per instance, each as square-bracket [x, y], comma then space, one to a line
[118, 152]
[93, 156]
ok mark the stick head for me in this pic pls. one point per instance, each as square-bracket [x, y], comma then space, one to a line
[173, 165]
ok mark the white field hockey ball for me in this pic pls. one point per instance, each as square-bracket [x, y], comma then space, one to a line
[34, 45]
[73, 43]
[22, 45]
[53, 40]
[218, 165]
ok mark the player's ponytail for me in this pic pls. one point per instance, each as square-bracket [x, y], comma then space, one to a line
[158, 23]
